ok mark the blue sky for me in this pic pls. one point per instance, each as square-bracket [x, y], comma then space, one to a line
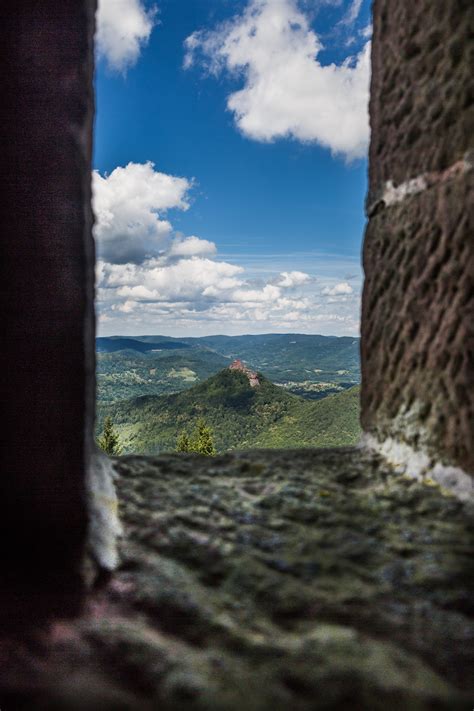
[230, 168]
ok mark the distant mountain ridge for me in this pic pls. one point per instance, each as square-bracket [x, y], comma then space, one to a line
[241, 416]
[310, 365]
[117, 343]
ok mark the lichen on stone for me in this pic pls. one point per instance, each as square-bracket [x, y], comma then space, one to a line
[263, 580]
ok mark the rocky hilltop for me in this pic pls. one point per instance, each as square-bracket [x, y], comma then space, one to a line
[251, 375]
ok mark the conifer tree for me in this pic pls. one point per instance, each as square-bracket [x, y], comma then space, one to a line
[203, 441]
[183, 443]
[109, 441]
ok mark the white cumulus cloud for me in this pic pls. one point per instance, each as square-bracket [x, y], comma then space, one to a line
[341, 289]
[191, 247]
[129, 205]
[184, 280]
[289, 280]
[269, 293]
[287, 92]
[123, 29]
[151, 278]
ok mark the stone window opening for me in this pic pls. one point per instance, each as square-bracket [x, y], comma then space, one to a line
[169, 627]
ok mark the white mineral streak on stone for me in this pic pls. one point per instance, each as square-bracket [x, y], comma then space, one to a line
[418, 462]
[393, 194]
[420, 465]
[455, 479]
[104, 523]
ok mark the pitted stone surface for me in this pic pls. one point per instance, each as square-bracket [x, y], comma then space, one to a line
[268, 580]
[417, 342]
[418, 322]
[422, 90]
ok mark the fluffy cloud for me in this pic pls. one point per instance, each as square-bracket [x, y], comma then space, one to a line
[191, 247]
[269, 294]
[150, 278]
[191, 279]
[341, 289]
[185, 280]
[292, 279]
[287, 92]
[129, 205]
[196, 292]
[123, 29]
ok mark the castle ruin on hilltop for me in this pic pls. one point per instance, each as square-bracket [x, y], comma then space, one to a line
[251, 375]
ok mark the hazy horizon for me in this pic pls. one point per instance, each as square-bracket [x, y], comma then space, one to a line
[215, 334]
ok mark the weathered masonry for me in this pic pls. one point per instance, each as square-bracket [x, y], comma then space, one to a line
[268, 580]
[418, 304]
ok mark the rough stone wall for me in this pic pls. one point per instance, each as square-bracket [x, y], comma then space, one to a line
[46, 288]
[418, 301]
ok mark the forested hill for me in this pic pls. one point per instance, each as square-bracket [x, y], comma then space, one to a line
[241, 416]
[309, 365]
